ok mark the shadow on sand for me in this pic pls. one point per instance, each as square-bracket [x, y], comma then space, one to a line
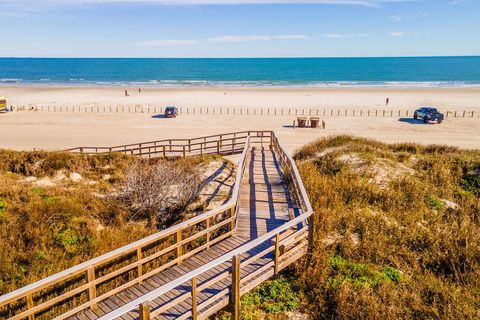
[412, 121]
[159, 116]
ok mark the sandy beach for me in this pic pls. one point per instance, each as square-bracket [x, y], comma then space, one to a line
[27, 130]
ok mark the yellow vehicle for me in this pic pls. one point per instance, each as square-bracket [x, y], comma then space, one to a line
[3, 104]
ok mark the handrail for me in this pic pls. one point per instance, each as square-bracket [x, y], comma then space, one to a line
[286, 161]
[112, 255]
[168, 142]
[226, 257]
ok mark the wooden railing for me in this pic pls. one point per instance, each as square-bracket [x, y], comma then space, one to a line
[85, 285]
[222, 144]
[287, 243]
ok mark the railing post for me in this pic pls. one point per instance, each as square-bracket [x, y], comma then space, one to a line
[235, 296]
[92, 289]
[184, 153]
[310, 234]
[179, 245]
[194, 299]
[144, 311]
[232, 217]
[277, 252]
[208, 233]
[218, 147]
[29, 298]
[139, 267]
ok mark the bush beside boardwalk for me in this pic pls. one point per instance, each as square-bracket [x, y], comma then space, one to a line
[60, 209]
[389, 244]
[397, 235]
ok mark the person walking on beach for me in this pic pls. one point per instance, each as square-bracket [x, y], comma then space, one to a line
[388, 101]
[139, 90]
[126, 93]
[323, 124]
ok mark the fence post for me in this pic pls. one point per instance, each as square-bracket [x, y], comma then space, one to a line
[208, 233]
[92, 289]
[144, 311]
[30, 306]
[232, 222]
[194, 299]
[277, 252]
[139, 267]
[179, 245]
[310, 234]
[235, 297]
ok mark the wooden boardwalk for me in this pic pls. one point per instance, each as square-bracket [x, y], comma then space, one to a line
[264, 205]
[217, 256]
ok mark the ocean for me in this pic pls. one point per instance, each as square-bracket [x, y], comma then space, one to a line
[268, 72]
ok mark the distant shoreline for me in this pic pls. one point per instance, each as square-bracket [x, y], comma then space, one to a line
[422, 72]
[240, 84]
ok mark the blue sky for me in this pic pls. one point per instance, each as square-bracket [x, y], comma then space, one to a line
[236, 28]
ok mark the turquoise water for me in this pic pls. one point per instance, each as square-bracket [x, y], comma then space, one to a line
[415, 72]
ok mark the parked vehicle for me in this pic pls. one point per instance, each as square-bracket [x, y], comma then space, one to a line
[3, 104]
[171, 112]
[428, 115]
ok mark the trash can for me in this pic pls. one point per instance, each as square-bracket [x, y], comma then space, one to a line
[314, 121]
[302, 122]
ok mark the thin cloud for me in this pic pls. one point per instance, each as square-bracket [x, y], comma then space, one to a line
[454, 2]
[397, 34]
[401, 17]
[343, 36]
[230, 39]
[168, 43]
[221, 39]
[368, 3]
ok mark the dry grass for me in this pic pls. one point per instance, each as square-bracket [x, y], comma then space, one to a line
[394, 251]
[48, 227]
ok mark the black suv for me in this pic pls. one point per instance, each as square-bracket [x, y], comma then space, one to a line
[171, 112]
[428, 114]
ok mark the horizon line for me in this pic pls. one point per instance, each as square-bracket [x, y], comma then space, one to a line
[289, 57]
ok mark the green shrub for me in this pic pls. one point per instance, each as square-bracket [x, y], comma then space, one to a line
[402, 225]
[471, 183]
[434, 203]
[274, 297]
[359, 274]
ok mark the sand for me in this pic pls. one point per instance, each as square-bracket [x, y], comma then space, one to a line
[27, 130]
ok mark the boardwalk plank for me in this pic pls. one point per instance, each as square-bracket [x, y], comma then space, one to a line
[265, 204]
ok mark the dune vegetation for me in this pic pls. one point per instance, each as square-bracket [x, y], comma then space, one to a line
[60, 209]
[397, 235]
